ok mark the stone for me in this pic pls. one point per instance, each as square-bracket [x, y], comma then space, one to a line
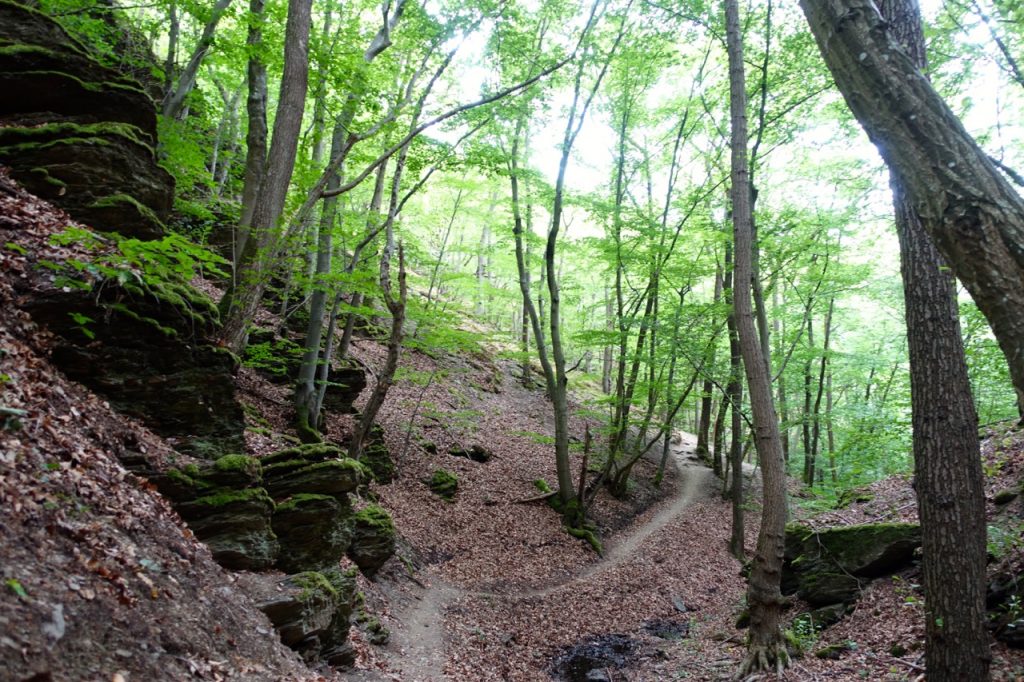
[76, 132]
[301, 608]
[235, 525]
[321, 468]
[149, 356]
[373, 539]
[313, 530]
[854, 496]
[828, 615]
[1006, 496]
[335, 648]
[476, 453]
[444, 483]
[377, 457]
[831, 566]
[346, 381]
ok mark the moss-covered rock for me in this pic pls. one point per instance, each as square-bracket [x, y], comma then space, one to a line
[301, 607]
[347, 380]
[78, 133]
[858, 495]
[332, 477]
[235, 525]
[830, 566]
[373, 539]
[377, 457]
[313, 530]
[335, 648]
[444, 483]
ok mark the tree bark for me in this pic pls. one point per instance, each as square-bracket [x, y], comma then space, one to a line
[972, 213]
[245, 300]
[734, 391]
[256, 136]
[766, 646]
[947, 456]
[174, 101]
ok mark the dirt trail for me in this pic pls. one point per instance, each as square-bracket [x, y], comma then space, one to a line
[417, 648]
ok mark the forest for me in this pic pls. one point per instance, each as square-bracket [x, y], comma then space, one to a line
[512, 339]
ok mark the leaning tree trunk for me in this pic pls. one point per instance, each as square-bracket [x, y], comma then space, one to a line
[766, 646]
[947, 458]
[974, 216]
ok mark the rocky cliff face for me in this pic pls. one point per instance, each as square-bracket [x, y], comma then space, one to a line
[76, 132]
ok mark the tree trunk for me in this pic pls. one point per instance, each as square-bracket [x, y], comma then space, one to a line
[244, 301]
[766, 646]
[306, 412]
[704, 424]
[947, 458]
[174, 101]
[734, 390]
[972, 213]
[256, 137]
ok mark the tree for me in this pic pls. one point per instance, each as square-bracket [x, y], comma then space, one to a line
[241, 304]
[973, 214]
[766, 646]
[947, 457]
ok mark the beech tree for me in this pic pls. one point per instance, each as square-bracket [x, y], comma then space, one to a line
[766, 646]
[947, 456]
[973, 214]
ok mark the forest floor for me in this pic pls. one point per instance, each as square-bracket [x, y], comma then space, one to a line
[101, 580]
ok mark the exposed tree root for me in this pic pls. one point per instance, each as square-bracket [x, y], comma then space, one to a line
[764, 659]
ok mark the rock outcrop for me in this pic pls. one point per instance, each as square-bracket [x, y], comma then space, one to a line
[831, 566]
[145, 351]
[289, 511]
[76, 132]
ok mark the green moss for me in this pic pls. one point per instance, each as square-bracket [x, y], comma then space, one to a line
[314, 584]
[169, 332]
[120, 200]
[17, 50]
[276, 468]
[375, 517]
[243, 463]
[192, 470]
[44, 174]
[588, 536]
[444, 483]
[226, 497]
[56, 133]
[304, 453]
[296, 501]
[542, 485]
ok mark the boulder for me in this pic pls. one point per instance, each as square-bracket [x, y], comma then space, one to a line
[373, 539]
[235, 525]
[310, 610]
[317, 468]
[301, 608]
[830, 566]
[377, 457]
[347, 380]
[76, 132]
[314, 531]
[444, 483]
[335, 648]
